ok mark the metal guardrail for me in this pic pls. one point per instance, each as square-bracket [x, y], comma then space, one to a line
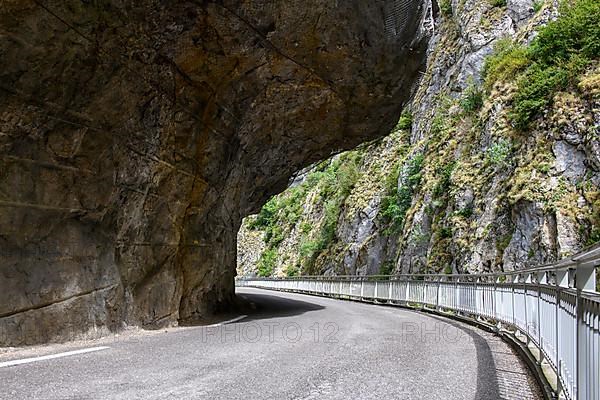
[555, 306]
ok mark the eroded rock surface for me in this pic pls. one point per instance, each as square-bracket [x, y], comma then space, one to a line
[454, 188]
[134, 136]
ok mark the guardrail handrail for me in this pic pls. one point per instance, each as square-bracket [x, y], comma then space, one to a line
[555, 306]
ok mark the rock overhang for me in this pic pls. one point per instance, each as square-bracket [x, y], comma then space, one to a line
[137, 135]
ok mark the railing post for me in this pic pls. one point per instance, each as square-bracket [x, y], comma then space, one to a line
[525, 283]
[362, 288]
[437, 295]
[541, 280]
[562, 281]
[515, 280]
[375, 294]
[585, 281]
[456, 295]
[495, 304]
[494, 299]
[477, 298]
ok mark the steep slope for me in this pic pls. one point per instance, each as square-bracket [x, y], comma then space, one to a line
[134, 136]
[495, 167]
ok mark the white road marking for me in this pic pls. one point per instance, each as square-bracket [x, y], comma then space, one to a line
[228, 322]
[51, 356]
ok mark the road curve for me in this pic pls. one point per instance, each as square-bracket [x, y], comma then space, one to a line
[290, 346]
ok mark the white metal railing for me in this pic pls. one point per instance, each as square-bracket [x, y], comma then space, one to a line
[555, 306]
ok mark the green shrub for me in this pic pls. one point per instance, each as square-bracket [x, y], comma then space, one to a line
[405, 121]
[498, 153]
[335, 182]
[311, 249]
[465, 212]
[502, 243]
[507, 60]
[278, 212]
[443, 184]
[537, 5]
[309, 252]
[266, 215]
[472, 99]
[439, 124]
[306, 227]
[446, 7]
[338, 179]
[445, 232]
[575, 32]
[398, 200]
[266, 262]
[562, 50]
[536, 89]
[292, 270]
[331, 214]
[387, 268]
[498, 3]
[307, 248]
[594, 237]
[274, 235]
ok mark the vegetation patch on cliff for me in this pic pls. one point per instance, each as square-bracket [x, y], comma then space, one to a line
[560, 53]
[398, 199]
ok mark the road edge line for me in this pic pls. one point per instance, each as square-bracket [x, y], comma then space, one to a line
[29, 360]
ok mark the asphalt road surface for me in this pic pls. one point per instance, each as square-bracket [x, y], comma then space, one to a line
[290, 346]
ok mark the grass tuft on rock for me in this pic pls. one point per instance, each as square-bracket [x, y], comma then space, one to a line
[561, 52]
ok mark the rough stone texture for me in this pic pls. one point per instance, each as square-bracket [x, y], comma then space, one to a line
[134, 136]
[526, 210]
[533, 239]
[570, 162]
[520, 10]
[535, 202]
[250, 244]
[361, 246]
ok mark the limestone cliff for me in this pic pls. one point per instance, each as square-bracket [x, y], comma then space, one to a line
[135, 136]
[494, 166]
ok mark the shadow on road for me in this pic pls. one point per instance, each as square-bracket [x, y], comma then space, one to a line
[264, 306]
[487, 377]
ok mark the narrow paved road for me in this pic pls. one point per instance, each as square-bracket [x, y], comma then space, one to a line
[290, 347]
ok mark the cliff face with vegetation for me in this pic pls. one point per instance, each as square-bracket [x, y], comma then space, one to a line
[495, 164]
[136, 135]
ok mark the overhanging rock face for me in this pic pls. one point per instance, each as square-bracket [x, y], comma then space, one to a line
[135, 135]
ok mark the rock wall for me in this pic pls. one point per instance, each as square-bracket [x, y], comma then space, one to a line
[134, 136]
[456, 187]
